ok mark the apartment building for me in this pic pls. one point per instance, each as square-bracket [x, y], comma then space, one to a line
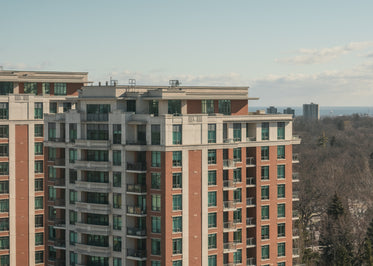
[150, 175]
[24, 97]
[311, 111]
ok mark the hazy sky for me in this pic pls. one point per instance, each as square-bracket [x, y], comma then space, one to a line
[288, 52]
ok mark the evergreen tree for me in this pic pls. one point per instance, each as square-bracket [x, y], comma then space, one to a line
[368, 251]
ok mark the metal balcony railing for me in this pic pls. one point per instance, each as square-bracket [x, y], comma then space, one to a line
[133, 231]
[137, 253]
[136, 166]
[136, 188]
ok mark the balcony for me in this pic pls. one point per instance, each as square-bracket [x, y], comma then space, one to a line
[295, 252]
[295, 177]
[250, 181]
[135, 142]
[136, 189]
[295, 215]
[295, 158]
[139, 233]
[250, 262]
[59, 244]
[229, 164]
[92, 144]
[59, 182]
[228, 185]
[95, 117]
[60, 262]
[136, 254]
[250, 202]
[250, 162]
[250, 139]
[92, 165]
[59, 203]
[59, 163]
[139, 167]
[229, 205]
[295, 233]
[92, 250]
[229, 247]
[250, 222]
[59, 223]
[93, 207]
[250, 242]
[229, 227]
[92, 186]
[133, 210]
[92, 229]
[295, 195]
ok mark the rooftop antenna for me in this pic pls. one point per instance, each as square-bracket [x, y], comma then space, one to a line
[132, 84]
[174, 83]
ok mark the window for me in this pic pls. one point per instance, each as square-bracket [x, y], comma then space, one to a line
[117, 134]
[73, 176]
[212, 178]
[211, 156]
[281, 210]
[156, 134]
[281, 191]
[281, 152]
[98, 112]
[73, 155]
[237, 154]
[46, 87]
[212, 260]
[237, 216]
[177, 224]
[265, 172]
[4, 187]
[212, 220]
[117, 200]
[117, 222]
[4, 149]
[156, 224]
[237, 195]
[265, 232]
[176, 180]
[153, 107]
[6, 88]
[4, 205]
[176, 159]
[97, 155]
[265, 131]
[265, 192]
[237, 256]
[265, 153]
[177, 202]
[265, 212]
[30, 87]
[38, 184]
[156, 159]
[4, 168]
[4, 110]
[97, 132]
[177, 134]
[280, 130]
[51, 193]
[281, 249]
[211, 134]
[38, 110]
[155, 263]
[52, 153]
[39, 257]
[39, 220]
[174, 107]
[156, 180]
[208, 106]
[117, 243]
[236, 131]
[4, 260]
[73, 132]
[38, 203]
[117, 158]
[156, 202]
[38, 130]
[131, 106]
[74, 259]
[177, 246]
[4, 224]
[38, 148]
[73, 217]
[237, 175]
[281, 230]
[265, 252]
[237, 236]
[281, 171]
[53, 107]
[51, 131]
[60, 88]
[212, 199]
[281, 264]
[73, 196]
[73, 238]
[66, 107]
[225, 107]
[177, 263]
[117, 179]
[156, 246]
[212, 241]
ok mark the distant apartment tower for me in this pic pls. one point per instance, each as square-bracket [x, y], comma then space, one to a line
[271, 110]
[152, 175]
[311, 111]
[289, 111]
[24, 97]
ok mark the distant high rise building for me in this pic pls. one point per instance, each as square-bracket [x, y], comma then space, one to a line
[289, 111]
[272, 110]
[311, 111]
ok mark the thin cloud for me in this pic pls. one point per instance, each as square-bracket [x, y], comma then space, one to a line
[317, 56]
[23, 66]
